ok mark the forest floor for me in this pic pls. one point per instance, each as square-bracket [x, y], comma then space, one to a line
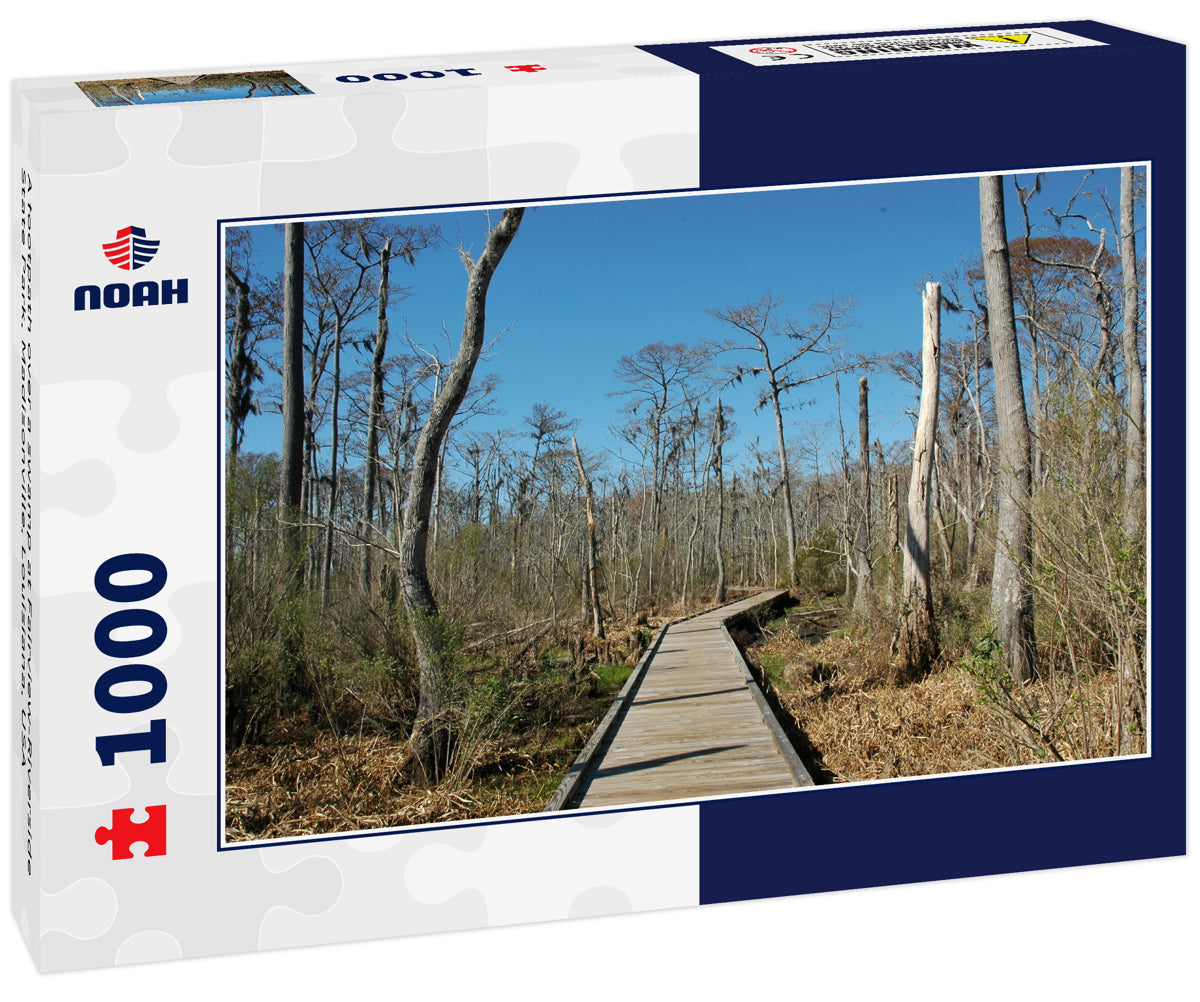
[303, 779]
[852, 716]
[833, 684]
[524, 726]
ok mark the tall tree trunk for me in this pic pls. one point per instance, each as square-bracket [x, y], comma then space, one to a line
[862, 541]
[970, 510]
[785, 479]
[593, 584]
[916, 633]
[1135, 430]
[334, 473]
[430, 740]
[847, 501]
[1133, 701]
[893, 521]
[291, 481]
[375, 417]
[1012, 592]
[945, 537]
[718, 464]
[1039, 454]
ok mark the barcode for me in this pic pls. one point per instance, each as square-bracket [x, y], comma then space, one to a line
[890, 48]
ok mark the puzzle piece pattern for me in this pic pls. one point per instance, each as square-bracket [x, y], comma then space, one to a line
[190, 902]
[85, 909]
[219, 134]
[85, 488]
[376, 173]
[147, 947]
[581, 116]
[95, 450]
[496, 874]
[92, 144]
[125, 832]
[563, 865]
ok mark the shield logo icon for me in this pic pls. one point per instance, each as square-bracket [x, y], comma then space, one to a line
[131, 250]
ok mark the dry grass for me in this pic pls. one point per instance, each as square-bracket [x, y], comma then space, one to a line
[318, 784]
[862, 722]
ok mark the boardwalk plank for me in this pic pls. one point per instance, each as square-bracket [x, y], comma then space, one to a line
[694, 726]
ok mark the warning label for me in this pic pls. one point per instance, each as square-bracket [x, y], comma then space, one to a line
[791, 53]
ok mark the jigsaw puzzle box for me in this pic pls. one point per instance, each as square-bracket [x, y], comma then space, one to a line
[238, 296]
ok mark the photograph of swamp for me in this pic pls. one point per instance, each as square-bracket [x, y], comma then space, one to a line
[222, 86]
[476, 460]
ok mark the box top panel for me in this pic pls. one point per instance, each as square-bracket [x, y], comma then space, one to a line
[385, 75]
[813, 51]
[580, 65]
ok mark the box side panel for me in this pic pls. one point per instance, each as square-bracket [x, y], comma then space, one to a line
[26, 863]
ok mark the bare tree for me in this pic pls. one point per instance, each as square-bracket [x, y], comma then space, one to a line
[916, 634]
[292, 468]
[1012, 593]
[375, 410]
[893, 524]
[862, 540]
[430, 740]
[762, 329]
[381, 245]
[718, 464]
[338, 292]
[593, 587]
[1135, 431]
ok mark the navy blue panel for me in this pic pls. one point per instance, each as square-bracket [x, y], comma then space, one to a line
[699, 57]
[936, 115]
[916, 116]
[993, 111]
[961, 826]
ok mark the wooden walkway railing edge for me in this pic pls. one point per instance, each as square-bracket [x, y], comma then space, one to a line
[561, 798]
[566, 789]
[786, 749]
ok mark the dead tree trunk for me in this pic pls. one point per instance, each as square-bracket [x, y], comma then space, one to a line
[1135, 430]
[785, 481]
[945, 537]
[718, 463]
[430, 740]
[593, 583]
[291, 479]
[374, 417]
[893, 521]
[334, 476]
[862, 541]
[916, 635]
[1012, 593]
[1133, 701]
[848, 519]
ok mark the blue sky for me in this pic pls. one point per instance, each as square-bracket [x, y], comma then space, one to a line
[584, 284]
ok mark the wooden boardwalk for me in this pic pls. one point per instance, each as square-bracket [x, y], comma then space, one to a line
[691, 722]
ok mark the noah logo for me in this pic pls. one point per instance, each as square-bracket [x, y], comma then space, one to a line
[131, 250]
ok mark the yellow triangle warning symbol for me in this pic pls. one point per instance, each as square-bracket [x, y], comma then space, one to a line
[1014, 39]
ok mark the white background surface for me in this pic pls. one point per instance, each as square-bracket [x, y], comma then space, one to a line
[1126, 931]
